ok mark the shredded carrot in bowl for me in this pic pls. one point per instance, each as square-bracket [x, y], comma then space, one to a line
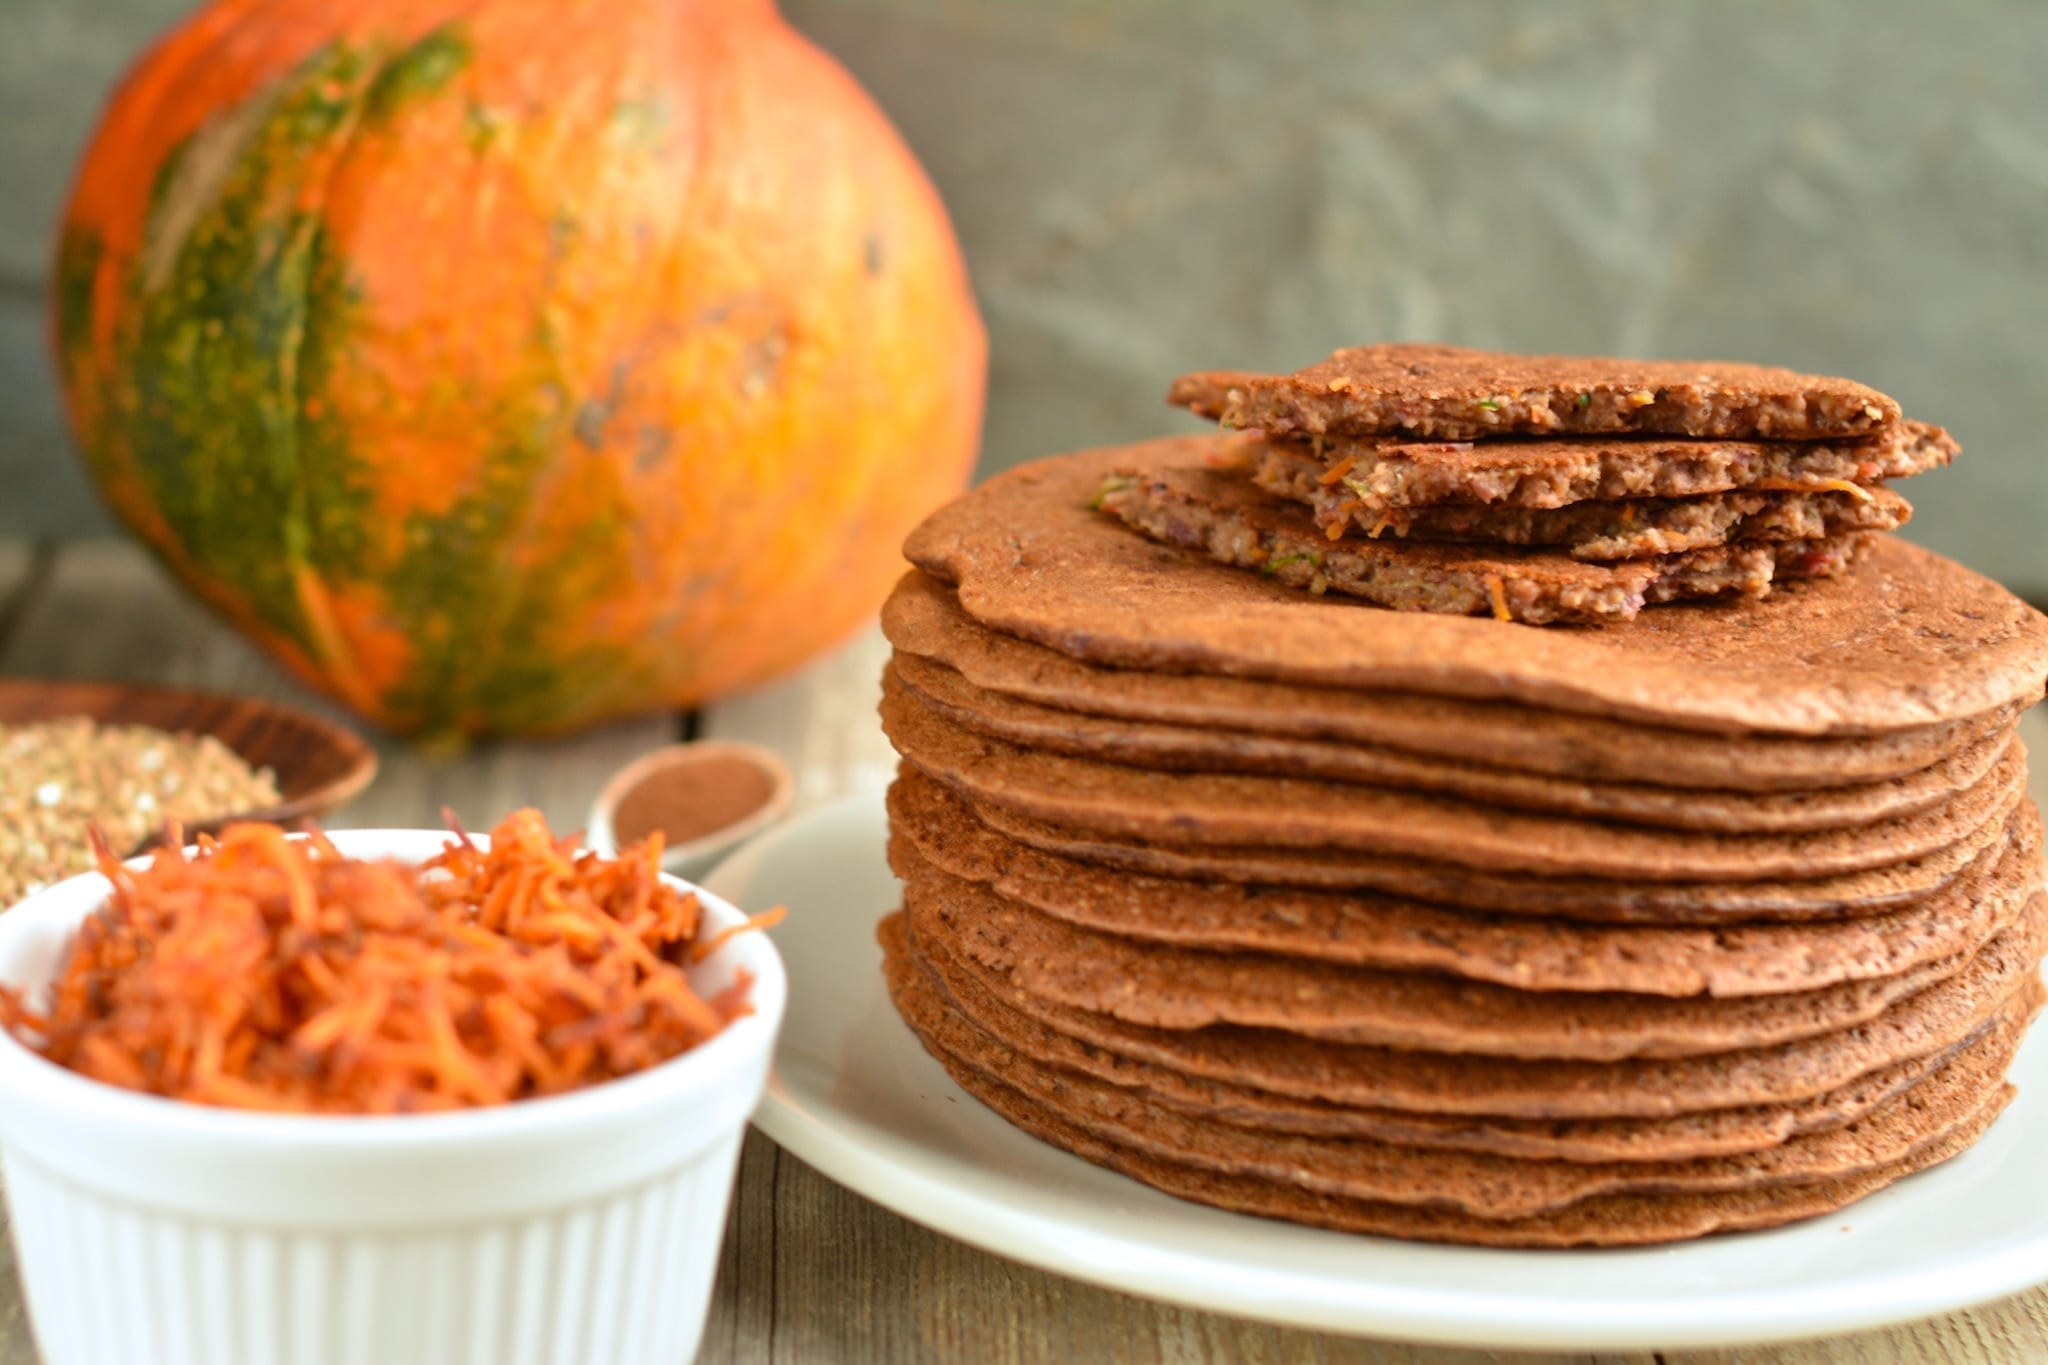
[267, 972]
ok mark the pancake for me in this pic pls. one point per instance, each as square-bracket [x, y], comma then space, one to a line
[1182, 989]
[1452, 393]
[917, 987]
[1484, 1184]
[1633, 528]
[1390, 472]
[1179, 748]
[1204, 810]
[1470, 1085]
[1528, 954]
[923, 619]
[1911, 639]
[1225, 516]
[1610, 1221]
[1593, 900]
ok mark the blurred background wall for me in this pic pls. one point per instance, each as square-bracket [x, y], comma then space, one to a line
[1147, 186]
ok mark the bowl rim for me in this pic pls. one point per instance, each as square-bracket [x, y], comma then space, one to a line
[28, 1074]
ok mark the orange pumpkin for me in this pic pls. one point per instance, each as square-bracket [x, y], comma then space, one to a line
[503, 365]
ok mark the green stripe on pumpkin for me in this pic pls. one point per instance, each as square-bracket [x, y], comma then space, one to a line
[240, 313]
[207, 399]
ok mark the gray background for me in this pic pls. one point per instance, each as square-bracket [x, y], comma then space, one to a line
[1146, 186]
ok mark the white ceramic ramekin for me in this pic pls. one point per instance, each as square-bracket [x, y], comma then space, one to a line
[563, 1231]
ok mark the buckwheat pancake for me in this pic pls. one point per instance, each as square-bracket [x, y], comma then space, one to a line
[1227, 517]
[1592, 899]
[1184, 749]
[1910, 639]
[1180, 989]
[1606, 1221]
[1206, 810]
[1476, 1085]
[1458, 394]
[1485, 1184]
[1392, 472]
[919, 988]
[1638, 528]
[923, 619]
[1528, 954]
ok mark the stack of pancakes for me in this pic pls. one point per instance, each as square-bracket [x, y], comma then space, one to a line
[1448, 928]
[1538, 489]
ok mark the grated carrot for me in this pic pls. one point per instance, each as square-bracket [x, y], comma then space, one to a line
[1497, 590]
[1854, 490]
[264, 972]
[1341, 517]
[1338, 470]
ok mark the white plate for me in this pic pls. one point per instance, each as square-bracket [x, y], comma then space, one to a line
[855, 1095]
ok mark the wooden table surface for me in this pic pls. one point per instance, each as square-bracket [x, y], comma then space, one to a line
[812, 1272]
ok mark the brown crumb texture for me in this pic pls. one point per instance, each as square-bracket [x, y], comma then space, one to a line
[1635, 528]
[1453, 393]
[1392, 472]
[1227, 518]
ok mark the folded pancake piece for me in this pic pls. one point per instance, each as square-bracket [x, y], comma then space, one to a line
[1188, 749]
[1225, 516]
[1392, 472]
[1911, 639]
[1485, 1184]
[1472, 1084]
[923, 618]
[1459, 394]
[919, 984]
[1529, 954]
[1182, 989]
[1206, 810]
[1622, 1220]
[1641, 528]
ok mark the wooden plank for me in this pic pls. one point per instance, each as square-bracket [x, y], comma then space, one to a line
[853, 1283]
[2011, 1331]
[14, 556]
[22, 566]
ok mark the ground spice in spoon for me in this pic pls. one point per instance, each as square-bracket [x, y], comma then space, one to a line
[689, 799]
